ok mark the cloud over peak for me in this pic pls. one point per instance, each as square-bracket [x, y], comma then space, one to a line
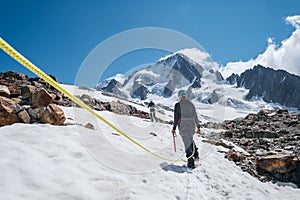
[285, 56]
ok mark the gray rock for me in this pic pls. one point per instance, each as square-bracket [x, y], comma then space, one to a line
[272, 85]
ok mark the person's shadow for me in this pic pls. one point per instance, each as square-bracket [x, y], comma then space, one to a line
[174, 168]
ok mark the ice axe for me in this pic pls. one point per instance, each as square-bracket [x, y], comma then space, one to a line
[173, 134]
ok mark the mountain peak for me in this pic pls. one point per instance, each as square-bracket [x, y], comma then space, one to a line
[194, 55]
[164, 78]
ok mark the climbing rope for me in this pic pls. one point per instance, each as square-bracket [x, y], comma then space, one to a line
[21, 59]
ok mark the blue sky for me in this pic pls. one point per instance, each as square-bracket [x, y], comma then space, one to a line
[57, 35]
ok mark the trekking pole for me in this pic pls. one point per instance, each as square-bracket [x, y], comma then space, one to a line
[174, 142]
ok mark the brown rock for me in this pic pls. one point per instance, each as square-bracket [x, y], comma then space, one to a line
[58, 98]
[89, 126]
[7, 117]
[277, 163]
[235, 156]
[16, 100]
[4, 91]
[53, 115]
[24, 116]
[40, 98]
[26, 91]
[7, 105]
[58, 114]
[14, 91]
[47, 117]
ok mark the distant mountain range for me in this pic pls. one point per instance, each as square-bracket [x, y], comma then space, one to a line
[179, 71]
[273, 86]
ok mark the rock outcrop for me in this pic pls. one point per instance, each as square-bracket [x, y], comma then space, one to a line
[270, 140]
[116, 107]
[29, 100]
[32, 100]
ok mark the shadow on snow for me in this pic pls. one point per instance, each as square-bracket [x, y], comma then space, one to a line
[175, 168]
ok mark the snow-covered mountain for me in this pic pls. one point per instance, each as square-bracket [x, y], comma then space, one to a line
[160, 79]
[205, 85]
[163, 79]
[271, 85]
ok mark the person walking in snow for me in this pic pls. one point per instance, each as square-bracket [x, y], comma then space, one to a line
[186, 118]
[151, 105]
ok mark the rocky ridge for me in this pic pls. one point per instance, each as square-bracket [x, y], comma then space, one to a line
[270, 143]
[273, 86]
[29, 100]
[32, 100]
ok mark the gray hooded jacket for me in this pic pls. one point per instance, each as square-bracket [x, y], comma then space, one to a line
[185, 110]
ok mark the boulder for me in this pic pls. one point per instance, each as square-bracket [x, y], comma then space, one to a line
[58, 114]
[16, 100]
[7, 117]
[235, 156]
[40, 98]
[89, 126]
[7, 104]
[35, 113]
[277, 163]
[14, 91]
[26, 91]
[24, 116]
[88, 100]
[53, 115]
[4, 91]
[58, 99]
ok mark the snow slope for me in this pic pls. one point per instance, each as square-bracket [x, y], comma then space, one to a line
[42, 161]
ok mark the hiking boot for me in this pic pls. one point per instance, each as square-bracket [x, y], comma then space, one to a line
[196, 158]
[191, 165]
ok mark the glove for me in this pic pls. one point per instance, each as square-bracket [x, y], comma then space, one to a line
[198, 131]
[173, 132]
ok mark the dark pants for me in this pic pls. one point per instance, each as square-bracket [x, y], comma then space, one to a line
[189, 151]
[187, 129]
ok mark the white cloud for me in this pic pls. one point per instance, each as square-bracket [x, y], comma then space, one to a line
[285, 56]
[293, 20]
[201, 57]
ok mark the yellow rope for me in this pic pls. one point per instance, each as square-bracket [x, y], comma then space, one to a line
[21, 59]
